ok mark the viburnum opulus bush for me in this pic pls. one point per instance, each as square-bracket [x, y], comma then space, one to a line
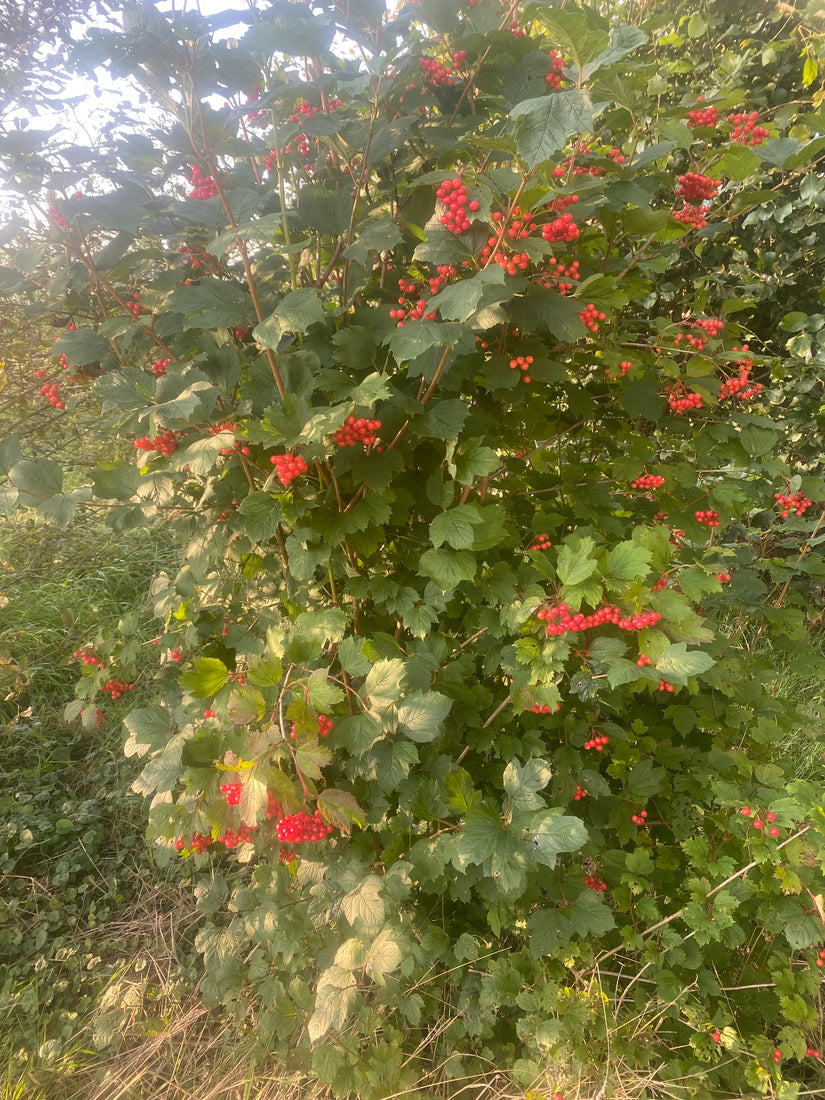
[450, 346]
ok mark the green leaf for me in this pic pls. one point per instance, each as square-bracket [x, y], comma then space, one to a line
[455, 527]
[310, 757]
[447, 568]
[543, 125]
[363, 907]
[481, 834]
[421, 714]
[261, 514]
[471, 460]
[206, 679]
[334, 1000]
[384, 956]
[211, 303]
[646, 780]
[116, 480]
[352, 657]
[590, 916]
[626, 562]
[380, 235]
[321, 627]
[460, 301]
[10, 453]
[340, 808]
[623, 40]
[296, 312]
[382, 687]
[254, 799]
[459, 791]
[677, 663]
[36, 480]
[148, 727]
[574, 564]
[522, 784]
[320, 692]
[81, 347]
[550, 834]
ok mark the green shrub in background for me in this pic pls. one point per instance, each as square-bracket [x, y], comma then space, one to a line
[472, 357]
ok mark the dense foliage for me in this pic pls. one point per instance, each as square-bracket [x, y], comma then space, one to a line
[471, 355]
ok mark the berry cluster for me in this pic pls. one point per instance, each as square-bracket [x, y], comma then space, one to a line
[203, 187]
[694, 187]
[644, 660]
[56, 216]
[648, 481]
[88, 658]
[356, 431]
[511, 262]
[798, 503]
[710, 519]
[777, 1056]
[541, 542]
[617, 156]
[436, 73]
[51, 390]
[580, 793]
[665, 686]
[325, 725]
[606, 614]
[703, 116]
[543, 708]
[681, 402]
[812, 1052]
[723, 578]
[273, 806]
[231, 839]
[159, 367]
[253, 97]
[820, 962]
[741, 385]
[640, 818]
[288, 467]
[745, 128]
[232, 792]
[166, 443]
[597, 742]
[591, 317]
[521, 224]
[175, 655]
[555, 77]
[758, 823]
[300, 828]
[200, 842]
[562, 228]
[133, 305]
[559, 272]
[522, 363]
[691, 216]
[593, 882]
[116, 688]
[453, 194]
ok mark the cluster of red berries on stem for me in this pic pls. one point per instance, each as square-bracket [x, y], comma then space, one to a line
[544, 708]
[116, 688]
[799, 503]
[522, 363]
[708, 518]
[694, 187]
[231, 838]
[203, 187]
[665, 686]
[591, 317]
[437, 73]
[745, 128]
[541, 542]
[580, 793]
[357, 430]
[820, 962]
[648, 481]
[51, 390]
[133, 305]
[159, 367]
[232, 791]
[593, 882]
[555, 77]
[644, 660]
[597, 742]
[288, 466]
[812, 1052]
[558, 620]
[562, 228]
[88, 658]
[639, 818]
[759, 824]
[325, 725]
[560, 272]
[56, 216]
[453, 194]
[691, 216]
[703, 116]
[683, 400]
[302, 828]
[741, 385]
[166, 443]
